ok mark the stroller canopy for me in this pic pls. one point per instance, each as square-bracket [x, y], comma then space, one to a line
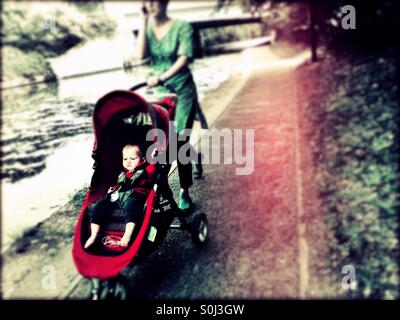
[122, 104]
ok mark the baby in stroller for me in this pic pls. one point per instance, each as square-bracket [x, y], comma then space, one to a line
[130, 194]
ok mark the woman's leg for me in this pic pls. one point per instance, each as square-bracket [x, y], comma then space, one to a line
[185, 170]
[196, 156]
[185, 180]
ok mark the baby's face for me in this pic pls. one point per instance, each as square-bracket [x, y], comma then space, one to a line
[130, 157]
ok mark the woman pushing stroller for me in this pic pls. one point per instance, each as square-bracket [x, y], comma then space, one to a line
[169, 44]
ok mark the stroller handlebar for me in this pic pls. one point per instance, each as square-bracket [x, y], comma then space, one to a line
[144, 84]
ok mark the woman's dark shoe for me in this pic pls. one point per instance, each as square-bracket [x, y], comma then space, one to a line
[198, 167]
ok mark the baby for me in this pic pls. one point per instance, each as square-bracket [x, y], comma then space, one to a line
[130, 194]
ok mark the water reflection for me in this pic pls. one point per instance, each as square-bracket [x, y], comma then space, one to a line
[34, 124]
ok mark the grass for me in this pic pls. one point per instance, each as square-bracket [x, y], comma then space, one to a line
[357, 153]
[57, 229]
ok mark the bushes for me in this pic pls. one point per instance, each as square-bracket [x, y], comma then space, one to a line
[210, 37]
[55, 230]
[358, 155]
[42, 31]
[53, 31]
[19, 64]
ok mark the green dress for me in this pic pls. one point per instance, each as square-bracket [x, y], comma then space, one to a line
[163, 54]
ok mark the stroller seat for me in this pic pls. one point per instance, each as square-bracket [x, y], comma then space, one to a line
[115, 221]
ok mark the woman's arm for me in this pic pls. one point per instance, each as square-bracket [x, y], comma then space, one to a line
[141, 49]
[179, 64]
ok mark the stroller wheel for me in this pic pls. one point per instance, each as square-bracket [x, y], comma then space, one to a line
[199, 228]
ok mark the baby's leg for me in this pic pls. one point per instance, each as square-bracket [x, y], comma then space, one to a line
[127, 235]
[97, 216]
[95, 228]
[132, 211]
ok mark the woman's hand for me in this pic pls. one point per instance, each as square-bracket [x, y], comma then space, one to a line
[153, 82]
[141, 46]
[144, 13]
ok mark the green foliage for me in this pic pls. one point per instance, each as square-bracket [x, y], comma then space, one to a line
[210, 37]
[78, 197]
[17, 63]
[26, 29]
[34, 34]
[358, 156]
[55, 230]
[88, 6]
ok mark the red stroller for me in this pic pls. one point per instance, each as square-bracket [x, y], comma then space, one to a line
[118, 116]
